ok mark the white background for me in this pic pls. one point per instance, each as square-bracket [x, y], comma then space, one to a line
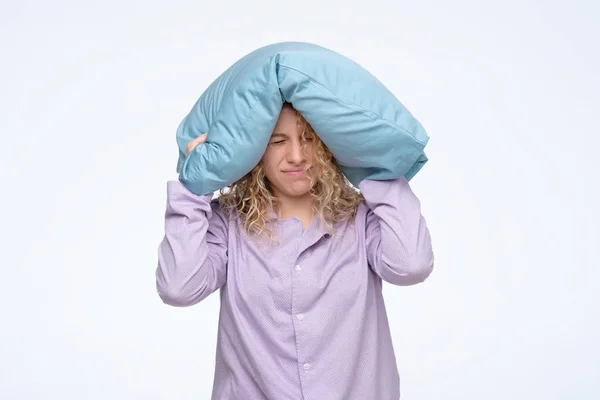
[91, 94]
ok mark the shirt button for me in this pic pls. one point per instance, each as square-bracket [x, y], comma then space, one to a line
[306, 366]
[298, 268]
[300, 316]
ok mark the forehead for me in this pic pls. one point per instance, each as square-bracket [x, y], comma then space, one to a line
[287, 119]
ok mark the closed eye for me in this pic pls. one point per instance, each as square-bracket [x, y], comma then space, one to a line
[278, 142]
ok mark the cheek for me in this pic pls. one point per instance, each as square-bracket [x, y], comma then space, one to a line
[311, 156]
[316, 167]
[269, 165]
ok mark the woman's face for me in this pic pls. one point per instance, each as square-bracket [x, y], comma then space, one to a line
[284, 161]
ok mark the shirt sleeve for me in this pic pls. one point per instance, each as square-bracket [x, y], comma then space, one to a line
[192, 256]
[398, 243]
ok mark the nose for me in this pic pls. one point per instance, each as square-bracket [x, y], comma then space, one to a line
[294, 154]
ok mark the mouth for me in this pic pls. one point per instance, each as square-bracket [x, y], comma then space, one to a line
[294, 172]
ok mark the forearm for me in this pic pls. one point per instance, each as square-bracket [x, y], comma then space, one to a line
[399, 243]
[188, 270]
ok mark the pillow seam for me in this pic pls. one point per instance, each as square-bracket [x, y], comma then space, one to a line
[256, 98]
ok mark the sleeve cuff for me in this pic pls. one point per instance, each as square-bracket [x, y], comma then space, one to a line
[176, 188]
[380, 187]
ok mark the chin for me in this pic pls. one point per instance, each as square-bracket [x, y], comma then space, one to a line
[296, 189]
[297, 192]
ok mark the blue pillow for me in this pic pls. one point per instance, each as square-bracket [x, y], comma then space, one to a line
[370, 133]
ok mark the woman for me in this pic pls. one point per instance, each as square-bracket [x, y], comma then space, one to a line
[300, 257]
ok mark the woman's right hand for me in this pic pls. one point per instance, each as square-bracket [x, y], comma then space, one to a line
[191, 145]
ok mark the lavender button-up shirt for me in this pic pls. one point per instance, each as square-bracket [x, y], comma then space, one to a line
[303, 319]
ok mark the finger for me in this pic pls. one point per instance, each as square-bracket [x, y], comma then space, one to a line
[199, 139]
[191, 145]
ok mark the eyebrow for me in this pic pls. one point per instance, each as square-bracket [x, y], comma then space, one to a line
[278, 135]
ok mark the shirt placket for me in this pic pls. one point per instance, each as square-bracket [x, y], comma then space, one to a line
[299, 274]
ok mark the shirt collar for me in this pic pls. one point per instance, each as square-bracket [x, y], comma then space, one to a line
[316, 229]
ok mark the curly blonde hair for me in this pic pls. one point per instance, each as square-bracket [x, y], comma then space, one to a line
[335, 199]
